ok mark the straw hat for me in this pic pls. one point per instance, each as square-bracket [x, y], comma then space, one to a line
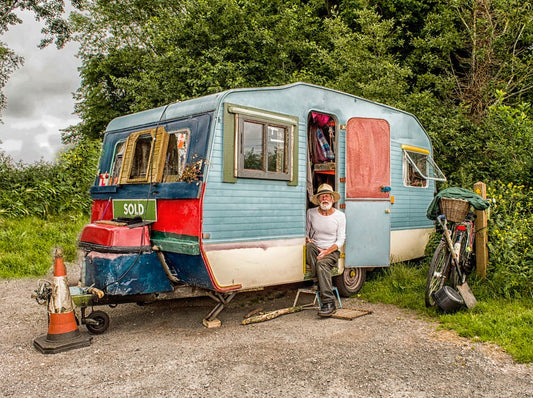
[324, 188]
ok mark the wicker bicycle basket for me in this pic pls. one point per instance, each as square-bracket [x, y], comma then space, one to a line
[455, 210]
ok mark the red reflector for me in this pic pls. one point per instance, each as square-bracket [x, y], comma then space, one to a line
[461, 228]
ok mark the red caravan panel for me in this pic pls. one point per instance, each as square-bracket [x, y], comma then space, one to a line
[367, 158]
[179, 216]
[101, 210]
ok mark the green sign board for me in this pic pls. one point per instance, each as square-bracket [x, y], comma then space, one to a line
[130, 208]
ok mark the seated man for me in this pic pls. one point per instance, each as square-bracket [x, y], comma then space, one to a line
[325, 235]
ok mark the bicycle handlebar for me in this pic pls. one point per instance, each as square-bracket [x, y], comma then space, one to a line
[442, 220]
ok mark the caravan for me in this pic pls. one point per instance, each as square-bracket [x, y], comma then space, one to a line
[209, 196]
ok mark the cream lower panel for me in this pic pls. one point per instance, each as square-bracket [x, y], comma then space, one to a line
[409, 244]
[257, 264]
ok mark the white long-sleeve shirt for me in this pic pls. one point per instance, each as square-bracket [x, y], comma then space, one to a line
[326, 230]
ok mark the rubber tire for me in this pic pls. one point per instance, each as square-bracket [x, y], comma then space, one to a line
[465, 257]
[350, 281]
[440, 258]
[103, 322]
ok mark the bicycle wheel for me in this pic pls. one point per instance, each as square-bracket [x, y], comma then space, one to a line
[457, 277]
[467, 256]
[439, 268]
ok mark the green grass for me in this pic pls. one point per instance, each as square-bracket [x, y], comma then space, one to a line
[505, 322]
[27, 244]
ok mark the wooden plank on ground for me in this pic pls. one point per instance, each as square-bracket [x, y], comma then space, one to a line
[271, 315]
[349, 313]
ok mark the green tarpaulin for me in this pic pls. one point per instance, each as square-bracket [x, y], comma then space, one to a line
[456, 193]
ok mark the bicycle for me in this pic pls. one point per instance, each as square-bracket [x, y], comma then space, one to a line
[453, 259]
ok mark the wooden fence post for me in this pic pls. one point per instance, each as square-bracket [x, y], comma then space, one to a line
[482, 234]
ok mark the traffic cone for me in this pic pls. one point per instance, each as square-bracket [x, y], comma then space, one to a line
[63, 333]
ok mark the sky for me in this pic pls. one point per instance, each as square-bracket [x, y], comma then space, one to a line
[39, 95]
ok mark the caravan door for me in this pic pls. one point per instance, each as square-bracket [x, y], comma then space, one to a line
[367, 193]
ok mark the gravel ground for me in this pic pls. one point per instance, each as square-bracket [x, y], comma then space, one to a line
[163, 350]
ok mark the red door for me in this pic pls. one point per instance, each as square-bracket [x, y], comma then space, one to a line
[367, 192]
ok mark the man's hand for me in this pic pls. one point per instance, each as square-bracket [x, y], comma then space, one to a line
[324, 252]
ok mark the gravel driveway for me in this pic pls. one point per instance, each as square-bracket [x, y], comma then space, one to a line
[163, 350]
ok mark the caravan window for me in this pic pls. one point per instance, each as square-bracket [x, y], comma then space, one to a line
[252, 145]
[264, 149]
[419, 167]
[141, 157]
[277, 143]
[176, 156]
[117, 162]
[259, 144]
[141, 161]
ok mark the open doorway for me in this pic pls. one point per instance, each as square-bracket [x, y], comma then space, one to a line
[321, 152]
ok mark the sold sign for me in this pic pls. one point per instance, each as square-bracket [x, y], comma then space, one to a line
[130, 208]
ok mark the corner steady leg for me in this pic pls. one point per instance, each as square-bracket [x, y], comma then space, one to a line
[222, 300]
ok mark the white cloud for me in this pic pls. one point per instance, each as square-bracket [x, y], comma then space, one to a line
[12, 145]
[39, 95]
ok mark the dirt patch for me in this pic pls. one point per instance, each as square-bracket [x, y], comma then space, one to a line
[163, 350]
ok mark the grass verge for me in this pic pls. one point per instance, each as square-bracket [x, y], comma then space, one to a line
[27, 244]
[505, 322]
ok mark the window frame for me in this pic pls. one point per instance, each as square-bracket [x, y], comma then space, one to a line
[155, 164]
[234, 118]
[408, 162]
[262, 173]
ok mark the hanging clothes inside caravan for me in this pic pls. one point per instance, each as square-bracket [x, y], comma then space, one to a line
[323, 146]
[320, 119]
[321, 138]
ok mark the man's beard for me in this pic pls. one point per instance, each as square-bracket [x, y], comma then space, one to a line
[325, 206]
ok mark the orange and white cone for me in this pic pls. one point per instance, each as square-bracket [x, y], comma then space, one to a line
[63, 332]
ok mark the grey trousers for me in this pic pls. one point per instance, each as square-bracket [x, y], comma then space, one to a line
[322, 269]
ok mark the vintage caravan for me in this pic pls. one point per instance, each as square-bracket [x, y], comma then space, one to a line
[209, 196]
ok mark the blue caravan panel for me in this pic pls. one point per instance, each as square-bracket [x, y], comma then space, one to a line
[367, 236]
[126, 274]
[190, 269]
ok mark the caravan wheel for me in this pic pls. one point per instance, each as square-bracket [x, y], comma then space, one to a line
[350, 281]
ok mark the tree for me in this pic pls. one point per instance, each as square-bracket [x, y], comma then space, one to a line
[55, 26]
[363, 60]
[442, 61]
[497, 53]
[141, 55]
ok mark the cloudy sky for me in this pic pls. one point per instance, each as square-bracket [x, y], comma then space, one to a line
[39, 95]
